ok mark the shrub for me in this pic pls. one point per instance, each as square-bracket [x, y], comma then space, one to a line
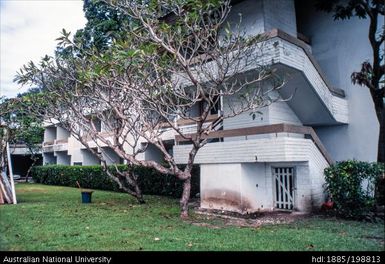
[93, 177]
[351, 185]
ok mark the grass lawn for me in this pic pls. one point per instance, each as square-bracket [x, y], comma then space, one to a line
[53, 218]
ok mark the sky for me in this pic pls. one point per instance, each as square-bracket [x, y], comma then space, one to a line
[28, 32]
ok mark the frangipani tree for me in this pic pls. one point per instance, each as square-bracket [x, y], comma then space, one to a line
[179, 55]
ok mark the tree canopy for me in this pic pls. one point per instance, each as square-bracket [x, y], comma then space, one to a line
[178, 55]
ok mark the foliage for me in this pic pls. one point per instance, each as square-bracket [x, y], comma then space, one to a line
[23, 127]
[53, 218]
[93, 177]
[351, 186]
[347, 9]
[105, 24]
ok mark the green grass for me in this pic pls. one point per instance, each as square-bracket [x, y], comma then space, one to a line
[53, 218]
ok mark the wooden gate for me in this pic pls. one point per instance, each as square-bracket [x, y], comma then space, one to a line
[284, 187]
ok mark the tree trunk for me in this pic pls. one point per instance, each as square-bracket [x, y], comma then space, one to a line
[139, 195]
[4, 189]
[1, 197]
[381, 141]
[34, 160]
[122, 180]
[185, 198]
[132, 181]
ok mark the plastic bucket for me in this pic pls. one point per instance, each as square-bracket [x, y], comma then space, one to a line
[86, 197]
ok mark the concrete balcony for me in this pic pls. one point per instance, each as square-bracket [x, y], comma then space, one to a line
[185, 126]
[313, 99]
[280, 144]
[108, 135]
[325, 104]
[56, 145]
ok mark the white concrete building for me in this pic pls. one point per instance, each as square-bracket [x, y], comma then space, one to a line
[277, 160]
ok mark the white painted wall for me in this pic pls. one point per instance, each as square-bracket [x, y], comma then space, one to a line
[75, 150]
[280, 14]
[245, 120]
[221, 187]
[76, 155]
[251, 21]
[249, 187]
[62, 133]
[152, 153]
[261, 174]
[49, 134]
[256, 186]
[317, 165]
[110, 156]
[62, 158]
[280, 112]
[340, 47]
[302, 194]
[89, 158]
[260, 16]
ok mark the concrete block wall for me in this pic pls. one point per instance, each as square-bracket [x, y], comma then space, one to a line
[317, 166]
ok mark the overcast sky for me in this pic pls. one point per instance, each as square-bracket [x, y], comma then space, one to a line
[28, 32]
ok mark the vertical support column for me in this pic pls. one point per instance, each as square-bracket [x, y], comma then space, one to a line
[11, 175]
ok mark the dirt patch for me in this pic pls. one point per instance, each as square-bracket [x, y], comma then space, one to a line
[247, 220]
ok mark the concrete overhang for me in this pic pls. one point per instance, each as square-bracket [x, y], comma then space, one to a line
[313, 98]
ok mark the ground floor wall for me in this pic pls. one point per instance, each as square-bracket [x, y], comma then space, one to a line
[49, 158]
[251, 187]
[63, 158]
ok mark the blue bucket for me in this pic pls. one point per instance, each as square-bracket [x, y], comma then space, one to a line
[86, 197]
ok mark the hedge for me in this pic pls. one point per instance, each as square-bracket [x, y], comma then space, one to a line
[352, 185]
[93, 177]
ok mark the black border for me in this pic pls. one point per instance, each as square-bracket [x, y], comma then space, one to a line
[326, 257]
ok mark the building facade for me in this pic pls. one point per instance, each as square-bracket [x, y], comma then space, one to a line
[276, 160]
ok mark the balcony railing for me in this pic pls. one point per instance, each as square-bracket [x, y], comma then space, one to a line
[48, 143]
[308, 132]
[187, 122]
[55, 142]
[302, 44]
